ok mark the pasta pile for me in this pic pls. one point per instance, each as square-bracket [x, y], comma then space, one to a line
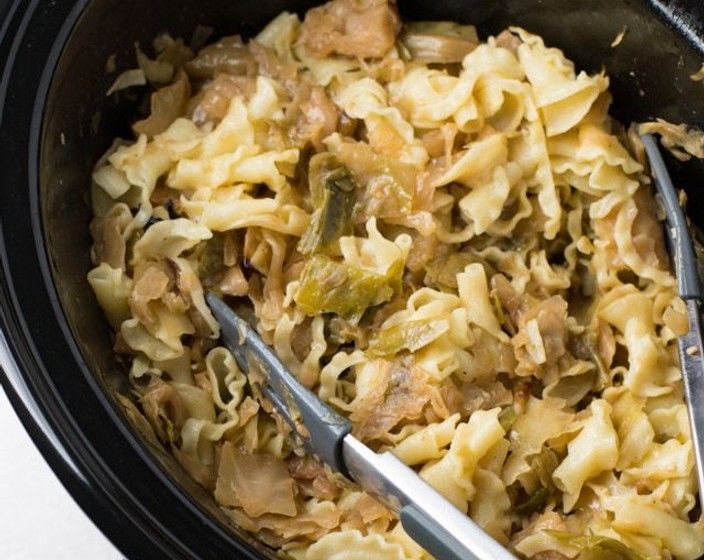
[449, 240]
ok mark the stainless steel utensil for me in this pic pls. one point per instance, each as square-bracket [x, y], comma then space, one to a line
[430, 519]
[690, 290]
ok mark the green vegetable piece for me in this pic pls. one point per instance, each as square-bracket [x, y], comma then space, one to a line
[598, 543]
[328, 286]
[507, 417]
[410, 336]
[535, 503]
[387, 185]
[333, 216]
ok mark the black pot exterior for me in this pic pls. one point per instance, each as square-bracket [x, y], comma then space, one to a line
[55, 121]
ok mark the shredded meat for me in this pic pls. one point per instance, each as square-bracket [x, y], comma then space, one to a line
[449, 399]
[357, 28]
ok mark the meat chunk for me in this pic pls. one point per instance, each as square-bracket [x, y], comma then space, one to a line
[317, 118]
[212, 102]
[357, 28]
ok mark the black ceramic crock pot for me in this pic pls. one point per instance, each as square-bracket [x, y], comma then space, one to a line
[55, 120]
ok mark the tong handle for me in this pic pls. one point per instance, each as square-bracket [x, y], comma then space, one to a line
[426, 515]
[682, 248]
[326, 428]
[691, 346]
[432, 536]
[691, 349]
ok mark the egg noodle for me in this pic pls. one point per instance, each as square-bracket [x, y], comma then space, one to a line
[450, 241]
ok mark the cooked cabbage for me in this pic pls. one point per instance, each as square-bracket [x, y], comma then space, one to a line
[445, 239]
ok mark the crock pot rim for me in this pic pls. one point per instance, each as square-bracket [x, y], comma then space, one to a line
[37, 418]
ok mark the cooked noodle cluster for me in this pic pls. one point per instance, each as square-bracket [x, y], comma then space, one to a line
[450, 241]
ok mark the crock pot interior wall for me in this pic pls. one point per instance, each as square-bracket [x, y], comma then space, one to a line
[649, 75]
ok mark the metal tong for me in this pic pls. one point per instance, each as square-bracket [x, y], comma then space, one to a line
[690, 290]
[430, 519]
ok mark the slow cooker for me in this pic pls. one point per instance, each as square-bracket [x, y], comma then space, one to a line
[55, 121]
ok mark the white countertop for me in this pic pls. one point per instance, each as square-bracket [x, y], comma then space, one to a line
[38, 518]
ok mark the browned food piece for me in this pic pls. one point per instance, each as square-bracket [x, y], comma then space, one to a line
[513, 303]
[318, 117]
[152, 281]
[212, 102]
[154, 290]
[164, 409]
[550, 315]
[483, 398]
[400, 392]
[268, 64]
[509, 41]
[312, 478]
[167, 104]
[357, 28]
[302, 338]
[258, 483]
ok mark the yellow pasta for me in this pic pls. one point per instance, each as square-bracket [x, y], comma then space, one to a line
[452, 245]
